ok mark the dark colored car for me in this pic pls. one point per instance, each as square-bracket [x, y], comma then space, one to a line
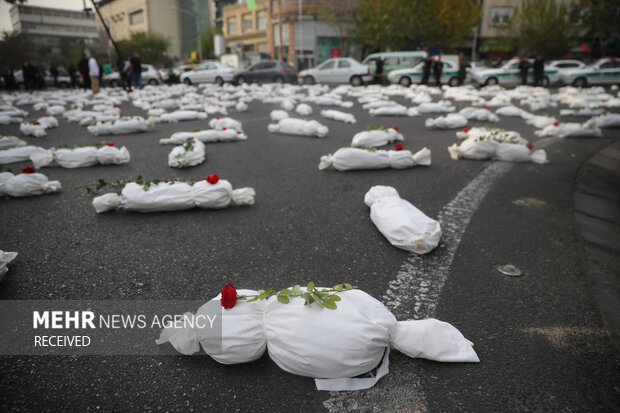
[267, 71]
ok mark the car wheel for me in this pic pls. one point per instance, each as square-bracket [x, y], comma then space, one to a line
[454, 81]
[491, 81]
[405, 81]
[219, 81]
[356, 81]
[309, 80]
[63, 85]
[113, 83]
[152, 82]
[546, 81]
[278, 79]
[241, 80]
[187, 81]
[580, 82]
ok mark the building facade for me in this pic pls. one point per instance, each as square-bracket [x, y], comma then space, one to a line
[246, 29]
[48, 27]
[124, 17]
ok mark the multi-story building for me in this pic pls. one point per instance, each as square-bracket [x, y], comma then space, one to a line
[124, 17]
[246, 29]
[47, 27]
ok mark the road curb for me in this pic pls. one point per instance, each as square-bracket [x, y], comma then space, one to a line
[597, 216]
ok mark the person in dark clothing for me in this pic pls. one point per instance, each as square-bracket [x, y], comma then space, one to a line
[539, 70]
[83, 69]
[29, 74]
[379, 70]
[463, 63]
[426, 70]
[524, 66]
[136, 71]
[123, 75]
[437, 69]
[54, 73]
[40, 77]
[72, 75]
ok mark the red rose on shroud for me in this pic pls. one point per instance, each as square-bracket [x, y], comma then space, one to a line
[212, 179]
[102, 122]
[223, 128]
[110, 143]
[229, 296]
[486, 107]
[530, 146]
[75, 106]
[121, 115]
[218, 117]
[395, 128]
[46, 115]
[465, 130]
[556, 123]
[398, 147]
[28, 170]
[36, 123]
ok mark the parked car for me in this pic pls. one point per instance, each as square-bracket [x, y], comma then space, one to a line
[603, 72]
[509, 74]
[395, 60]
[337, 70]
[561, 65]
[267, 71]
[405, 77]
[212, 72]
[150, 76]
[63, 80]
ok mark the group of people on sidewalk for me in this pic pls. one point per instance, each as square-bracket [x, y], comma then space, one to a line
[538, 67]
[130, 72]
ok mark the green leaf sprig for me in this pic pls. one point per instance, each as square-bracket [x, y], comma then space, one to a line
[94, 145]
[118, 185]
[325, 298]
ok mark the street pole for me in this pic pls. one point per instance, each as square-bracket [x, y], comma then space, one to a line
[105, 26]
[301, 35]
[195, 16]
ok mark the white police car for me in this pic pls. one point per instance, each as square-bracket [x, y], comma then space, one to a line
[603, 72]
[449, 74]
[509, 74]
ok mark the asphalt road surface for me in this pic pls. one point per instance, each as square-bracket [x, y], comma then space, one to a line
[540, 337]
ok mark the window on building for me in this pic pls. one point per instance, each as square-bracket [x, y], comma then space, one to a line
[136, 17]
[246, 22]
[500, 16]
[261, 20]
[231, 23]
[261, 47]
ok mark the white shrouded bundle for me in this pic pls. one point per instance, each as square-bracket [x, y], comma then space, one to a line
[191, 153]
[212, 109]
[302, 109]
[404, 225]
[5, 258]
[393, 110]
[349, 159]
[156, 112]
[35, 129]
[479, 114]
[476, 148]
[7, 142]
[541, 121]
[331, 101]
[6, 120]
[174, 196]
[180, 115]
[302, 127]
[450, 121]
[610, 120]
[220, 123]
[205, 136]
[17, 154]
[26, 184]
[124, 125]
[511, 110]
[499, 135]
[435, 107]
[278, 114]
[581, 112]
[570, 129]
[287, 105]
[48, 121]
[338, 115]
[331, 346]
[80, 157]
[377, 137]
[241, 106]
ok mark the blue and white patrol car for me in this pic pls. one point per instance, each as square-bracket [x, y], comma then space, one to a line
[509, 74]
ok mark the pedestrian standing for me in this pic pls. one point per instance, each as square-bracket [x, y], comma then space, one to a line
[463, 63]
[437, 69]
[136, 71]
[93, 70]
[524, 66]
[83, 69]
[71, 71]
[54, 73]
[539, 70]
[426, 70]
[379, 70]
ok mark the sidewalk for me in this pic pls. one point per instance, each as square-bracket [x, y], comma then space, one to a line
[597, 213]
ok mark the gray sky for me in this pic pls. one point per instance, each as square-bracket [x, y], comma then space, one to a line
[5, 17]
